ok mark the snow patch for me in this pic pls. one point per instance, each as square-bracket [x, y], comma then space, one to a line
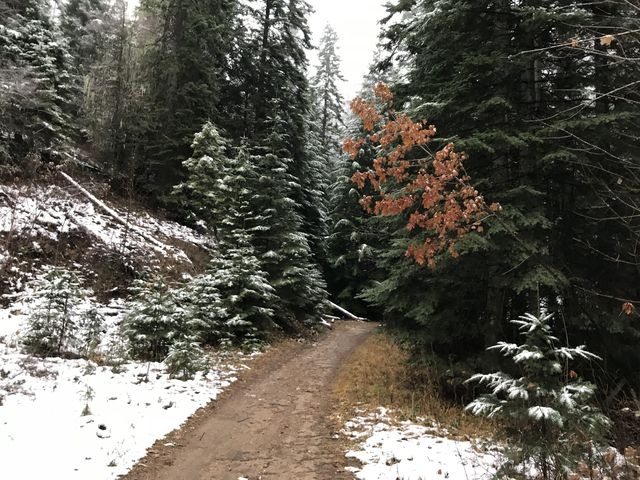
[409, 451]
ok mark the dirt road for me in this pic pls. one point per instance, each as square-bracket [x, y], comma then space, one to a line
[270, 425]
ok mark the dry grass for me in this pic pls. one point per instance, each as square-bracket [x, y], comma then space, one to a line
[379, 374]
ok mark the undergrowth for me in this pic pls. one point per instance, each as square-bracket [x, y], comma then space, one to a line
[379, 374]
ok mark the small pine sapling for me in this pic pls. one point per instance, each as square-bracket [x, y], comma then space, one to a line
[186, 358]
[92, 326]
[54, 299]
[203, 314]
[88, 395]
[546, 414]
[152, 323]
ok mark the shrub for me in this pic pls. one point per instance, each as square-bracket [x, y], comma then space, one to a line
[55, 298]
[185, 359]
[547, 419]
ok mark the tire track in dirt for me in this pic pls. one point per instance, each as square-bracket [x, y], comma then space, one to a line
[273, 424]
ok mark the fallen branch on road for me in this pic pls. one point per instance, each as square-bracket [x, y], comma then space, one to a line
[346, 312]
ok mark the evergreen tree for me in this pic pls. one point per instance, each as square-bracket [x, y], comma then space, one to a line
[154, 320]
[233, 299]
[53, 325]
[200, 194]
[185, 68]
[83, 23]
[328, 102]
[247, 297]
[185, 359]
[201, 304]
[548, 420]
[324, 132]
[277, 82]
[272, 83]
[113, 108]
[518, 106]
[281, 246]
[91, 330]
[35, 105]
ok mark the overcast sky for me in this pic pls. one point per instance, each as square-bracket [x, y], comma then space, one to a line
[356, 22]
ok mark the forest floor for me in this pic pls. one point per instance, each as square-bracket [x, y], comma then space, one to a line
[273, 423]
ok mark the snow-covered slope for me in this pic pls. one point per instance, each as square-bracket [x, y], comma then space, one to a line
[48, 213]
[66, 418]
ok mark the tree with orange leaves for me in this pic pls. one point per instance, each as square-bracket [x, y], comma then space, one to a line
[432, 190]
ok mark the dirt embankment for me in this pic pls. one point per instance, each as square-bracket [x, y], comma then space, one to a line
[273, 424]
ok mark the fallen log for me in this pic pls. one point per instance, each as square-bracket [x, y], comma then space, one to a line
[163, 248]
[346, 312]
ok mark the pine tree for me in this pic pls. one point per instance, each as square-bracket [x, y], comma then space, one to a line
[185, 68]
[324, 132]
[53, 326]
[185, 359]
[233, 300]
[247, 297]
[272, 83]
[35, 105]
[91, 328]
[277, 82]
[517, 105]
[201, 305]
[154, 321]
[281, 246]
[200, 194]
[328, 101]
[83, 25]
[547, 414]
[113, 108]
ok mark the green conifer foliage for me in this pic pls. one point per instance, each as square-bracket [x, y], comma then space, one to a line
[153, 321]
[281, 246]
[54, 323]
[518, 99]
[185, 68]
[202, 315]
[186, 358]
[34, 65]
[327, 99]
[549, 422]
[113, 110]
[247, 297]
[200, 194]
[83, 25]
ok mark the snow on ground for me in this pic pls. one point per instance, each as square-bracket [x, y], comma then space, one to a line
[64, 419]
[70, 419]
[407, 451]
[48, 212]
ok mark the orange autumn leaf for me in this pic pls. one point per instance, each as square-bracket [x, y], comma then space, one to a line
[607, 40]
[433, 192]
[628, 308]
